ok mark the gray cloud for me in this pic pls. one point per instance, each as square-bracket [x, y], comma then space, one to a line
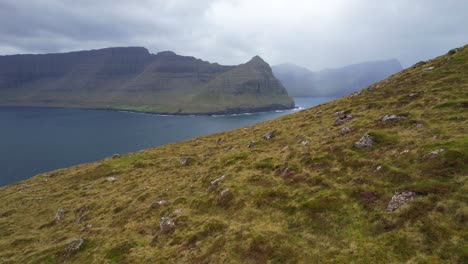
[316, 34]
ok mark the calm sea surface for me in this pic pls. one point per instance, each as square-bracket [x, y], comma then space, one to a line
[35, 140]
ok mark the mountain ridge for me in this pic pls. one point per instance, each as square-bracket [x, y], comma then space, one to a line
[131, 78]
[335, 82]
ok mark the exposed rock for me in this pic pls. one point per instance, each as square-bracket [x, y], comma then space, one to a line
[86, 228]
[418, 125]
[285, 149]
[219, 141]
[183, 161]
[225, 196]
[305, 142]
[215, 182]
[345, 130]
[364, 142]
[400, 198]
[115, 156]
[354, 94]
[378, 168]
[318, 112]
[428, 69]
[176, 212]
[341, 119]
[72, 247]
[159, 203]
[59, 215]
[390, 118]
[251, 144]
[404, 151]
[434, 153]
[166, 224]
[21, 187]
[452, 51]
[111, 179]
[413, 94]
[339, 113]
[269, 135]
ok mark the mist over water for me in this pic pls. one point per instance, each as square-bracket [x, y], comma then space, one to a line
[35, 140]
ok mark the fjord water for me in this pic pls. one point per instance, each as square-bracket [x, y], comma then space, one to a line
[35, 140]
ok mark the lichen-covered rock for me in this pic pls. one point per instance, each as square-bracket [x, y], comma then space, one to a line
[111, 179]
[390, 118]
[305, 142]
[341, 119]
[251, 144]
[166, 224]
[215, 182]
[399, 199]
[345, 130]
[364, 142]
[159, 203]
[225, 197]
[434, 153]
[59, 215]
[72, 247]
[183, 161]
[269, 135]
[21, 187]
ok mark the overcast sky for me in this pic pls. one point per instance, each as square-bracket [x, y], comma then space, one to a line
[315, 34]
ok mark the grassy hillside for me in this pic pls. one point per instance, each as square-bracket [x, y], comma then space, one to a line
[308, 194]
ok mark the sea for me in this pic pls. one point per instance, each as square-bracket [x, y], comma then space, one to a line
[35, 140]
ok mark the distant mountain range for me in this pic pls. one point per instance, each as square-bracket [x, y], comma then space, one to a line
[300, 81]
[131, 78]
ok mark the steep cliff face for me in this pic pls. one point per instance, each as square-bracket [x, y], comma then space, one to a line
[132, 78]
[300, 81]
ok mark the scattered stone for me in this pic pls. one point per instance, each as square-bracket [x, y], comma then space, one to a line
[86, 228]
[215, 182]
[390, 118]
[72, 247]
[21, 187]
[428, 69]
[269, 135]
[225, 196]
[318, 112]
[59, 215]
[413, 94]
[159, 203]
[418, 125]
[373, 87]
[285, 148]
[305, 142]
[345, 130]
[166, 224]
[354, 94]
[434, 153]
[176, 212]
[404, 151]
[378, 168]
[365, 141]
[339, 113]
[183, 160]
[452, 51]
[251, 144]
[341, 119]
[401, 198]
[111, 179]
[219, 141]
[115, 156]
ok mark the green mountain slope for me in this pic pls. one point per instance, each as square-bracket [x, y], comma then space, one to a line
[133, 79]
[375, 177]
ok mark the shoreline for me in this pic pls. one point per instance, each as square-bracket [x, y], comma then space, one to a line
[229, 112]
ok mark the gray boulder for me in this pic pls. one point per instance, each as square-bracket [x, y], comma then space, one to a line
[269, 135]
[390, 118]
[400, 198]
[59, 215]
[341, 119]
[72, 247]
[364, 142]
[166, 224]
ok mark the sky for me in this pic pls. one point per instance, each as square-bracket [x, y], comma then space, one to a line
[315, 34]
